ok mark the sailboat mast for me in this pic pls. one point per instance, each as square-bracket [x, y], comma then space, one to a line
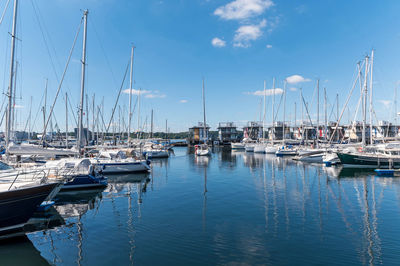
[371, 96]
[295, 111]
[364, 102]
[30, 120]
[151, 125]
[44, 109]
[325, 116]
[87, 117]
[302, 114]
[204, 115]
[273, 110]
[337, 115]
[10, 85]
[130, 95]
[93, 119]
[80, 125]
[265, 110]
[284, 111]
[317, 112]
[138, 119]
[66, 120]
[166, 129]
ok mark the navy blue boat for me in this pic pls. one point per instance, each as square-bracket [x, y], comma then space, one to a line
[18, 205]
[85, 182]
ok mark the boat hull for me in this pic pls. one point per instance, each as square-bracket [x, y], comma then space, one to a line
[259, 148]
[18, 205]
[249, 148]
[282, 153]
[237, 146]
[85, 182]
[316, 158]
[358, 160]
[203, 152]
[120, 168]
[157, 154]
[270, 150]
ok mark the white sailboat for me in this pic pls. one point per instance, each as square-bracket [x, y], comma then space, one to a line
[285, 150]
[260, 146]
[203, 149]
[271, 148]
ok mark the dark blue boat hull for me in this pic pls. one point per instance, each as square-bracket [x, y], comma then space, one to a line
[85, 182]
[18, 206]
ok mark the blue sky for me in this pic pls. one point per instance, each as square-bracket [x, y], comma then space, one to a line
[234, 44]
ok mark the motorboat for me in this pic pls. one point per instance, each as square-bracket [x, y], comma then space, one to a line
[76, 174]
[152, 151]
[109, 164]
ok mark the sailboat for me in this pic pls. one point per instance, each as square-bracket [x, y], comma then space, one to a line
[203, 149]
[285, 150]
[271, 148]
[19, 199]
[260, 146]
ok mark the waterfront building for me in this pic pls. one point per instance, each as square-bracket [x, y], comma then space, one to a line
[227, 133]
[197, 133]
[385, 129]
[353, 132]
[253, 130]
[275, 132]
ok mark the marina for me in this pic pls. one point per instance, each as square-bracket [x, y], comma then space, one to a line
[276, 205]
[171, 152]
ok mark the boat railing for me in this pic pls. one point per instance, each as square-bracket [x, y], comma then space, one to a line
[19, 176]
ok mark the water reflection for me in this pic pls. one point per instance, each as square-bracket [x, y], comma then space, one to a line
[297, 191]
[268, 210]
[20, 251]
[71, 204]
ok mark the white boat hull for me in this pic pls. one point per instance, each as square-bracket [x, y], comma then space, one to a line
[271, 150]
[259, 148]
[317, 158]
[157, 154]
[237, 146]
[249, 148]
[122, 167]
[203, 152]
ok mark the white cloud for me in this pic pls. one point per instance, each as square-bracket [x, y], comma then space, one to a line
[217, 42]
[293, 89]
[386, 103]
[269, 46]
[243, 9]
[152, 96]
[16, 106]
[270, 92]
[245, 34]
[136, 92]
[183, 101]
[146, 93]
[296, 79]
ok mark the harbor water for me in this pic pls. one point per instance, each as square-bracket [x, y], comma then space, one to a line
[231, 208]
